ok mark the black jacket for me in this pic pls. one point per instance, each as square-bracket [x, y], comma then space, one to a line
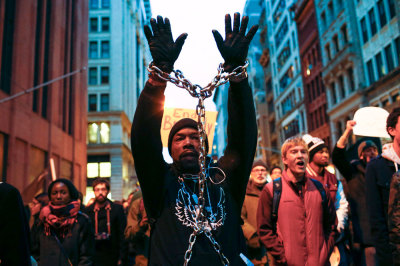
[165, 198]
[79, 246]
[355, 195]
[378, 176]
[109, 252]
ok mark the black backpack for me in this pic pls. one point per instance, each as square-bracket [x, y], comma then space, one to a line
[277, 191]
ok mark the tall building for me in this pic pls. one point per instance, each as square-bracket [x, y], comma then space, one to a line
[311, 62]
[379, 29]
[342, 71]
[286, 71]
[43, 40]
[118, 57]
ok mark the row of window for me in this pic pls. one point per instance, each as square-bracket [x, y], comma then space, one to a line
[96, 4]
[284, 55]
[288, 103]
[338, 89]
[315, 88]
[281, 33]
[379, 11]
[384, 61]
[95, 78]
[330, 15]
[98, 166]
[94, 105]
[291, 129]
[279, 11]
[312, 58]
[98, 132]
[337, 44]
[104, 24]
[94, 49]
[318, 118]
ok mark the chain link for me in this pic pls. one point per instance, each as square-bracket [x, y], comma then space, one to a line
[238, 74]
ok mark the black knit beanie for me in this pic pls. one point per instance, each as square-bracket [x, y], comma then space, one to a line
[259, 163]
[183, 123]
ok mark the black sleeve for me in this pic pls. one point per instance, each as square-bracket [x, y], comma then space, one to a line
[342, 164]
[86, 242]
[375, 208]
[147, 147]
[123, 249]
[242, 139]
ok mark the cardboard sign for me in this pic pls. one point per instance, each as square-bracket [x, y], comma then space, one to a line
[371, 122]
[173, 115]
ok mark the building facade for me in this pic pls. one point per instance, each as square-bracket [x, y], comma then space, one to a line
[43, 40]
[118, 57]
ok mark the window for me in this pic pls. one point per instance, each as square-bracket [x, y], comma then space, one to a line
[397, 50]
[336, 43]
[94, 23]
[340, 4]
[105, 3]
[98, 132]
[350, 74]
[92, 133]
[333, 92]
[343, 30]
[281, 33]
[379, 65]
[342, 90]
[98, 166]
[382, 13]
[284, 55]
[392, 8]
[286, 79]
[328, 51]
[105, 102]
[92, 103]
[330, 11]
[389, 58]
[278, 11]
[105, 24]
[94, 4]
[105, 75]
[364, 30]
[323, 19]
[371, 74]
[372, 21]
[93, 49]
[105, 49]
[93, 76]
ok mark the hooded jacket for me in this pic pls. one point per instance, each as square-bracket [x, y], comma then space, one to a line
[378, 176]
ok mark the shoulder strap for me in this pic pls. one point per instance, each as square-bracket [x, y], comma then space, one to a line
[324, 202]
[277, 191]
[61, 248]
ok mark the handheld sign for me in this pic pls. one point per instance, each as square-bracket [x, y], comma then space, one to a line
[371, 122]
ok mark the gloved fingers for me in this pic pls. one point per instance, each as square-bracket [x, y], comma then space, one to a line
[243, 25]
[167, 26]
[160, 22]
[154, 26]
[236, 22]
[180, 41]
[228, 25]
[251, 33]
[218, 39]
[148, 33]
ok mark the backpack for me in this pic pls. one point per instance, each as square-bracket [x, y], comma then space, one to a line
[277, 191]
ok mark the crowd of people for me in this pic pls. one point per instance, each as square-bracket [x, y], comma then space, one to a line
[228, 211]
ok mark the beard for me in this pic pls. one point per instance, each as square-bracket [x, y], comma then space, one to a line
[189, 164]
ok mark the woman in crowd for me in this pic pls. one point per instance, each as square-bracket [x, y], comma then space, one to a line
[64, 235]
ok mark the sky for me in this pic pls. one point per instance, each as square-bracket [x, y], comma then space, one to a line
[200, 57]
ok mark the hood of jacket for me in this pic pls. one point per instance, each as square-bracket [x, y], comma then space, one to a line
[390, 154]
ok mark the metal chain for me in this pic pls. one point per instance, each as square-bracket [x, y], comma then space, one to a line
[238, 74]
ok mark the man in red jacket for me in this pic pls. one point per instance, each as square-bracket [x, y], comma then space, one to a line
[305, 228]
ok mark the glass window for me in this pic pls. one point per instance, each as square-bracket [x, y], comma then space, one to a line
[371, 74]
[93, 49]
[278, 11]
[328, 51]
[104, 132]
[94, 24]
[105, 169]
[94, 4]
[382, 13]
[105, 75]
[104, 102]
[372, 21]
[350, 74]
[336, 43]
[92, 170]
[392, 8]
[330, 10]
[323, 19]
[284, 55]
[92, 102]
[286, 79]
[105, 24]
[333, 92]
[281, 33]
[389, 58]
[92, 76]
[379, 65]
[364, 30]
[342, 90]
[397, 50]
[93, 133]
[343, 30]
[105, 49]
[105, 3]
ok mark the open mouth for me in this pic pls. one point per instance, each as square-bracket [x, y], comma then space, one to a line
[300, 163]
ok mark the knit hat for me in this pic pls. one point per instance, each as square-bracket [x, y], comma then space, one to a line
[259, 163]
[314, 145]
[181, 124]
[365, 145]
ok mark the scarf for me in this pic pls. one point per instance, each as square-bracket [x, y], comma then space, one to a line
[389, 153]
[61, 218]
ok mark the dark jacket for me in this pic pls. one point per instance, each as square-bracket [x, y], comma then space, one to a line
[166, 199]
[394, 217]
[354, 174]
[109, 251]
[78, 246]
[14, 228]
[378, 177]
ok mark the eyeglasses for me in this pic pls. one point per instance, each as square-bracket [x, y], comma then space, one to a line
[259, 170]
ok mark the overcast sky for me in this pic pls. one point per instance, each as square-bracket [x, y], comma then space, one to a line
[200, 57]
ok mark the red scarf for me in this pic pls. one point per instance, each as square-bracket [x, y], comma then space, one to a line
[60, 218]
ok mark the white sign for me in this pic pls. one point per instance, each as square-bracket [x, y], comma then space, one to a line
[371, 122]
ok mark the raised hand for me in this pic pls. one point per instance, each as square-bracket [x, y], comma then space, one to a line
[163, 49]
[236, 44]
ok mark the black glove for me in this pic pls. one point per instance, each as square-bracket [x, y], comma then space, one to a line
[236, 45]
[162, 47]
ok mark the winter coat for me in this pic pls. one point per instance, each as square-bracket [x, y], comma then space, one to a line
[109, 251]
[378, 178]
[354, 174]
[167, 198]
[14, 228]
[78, 245]
[303, 235]
[394, 218]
